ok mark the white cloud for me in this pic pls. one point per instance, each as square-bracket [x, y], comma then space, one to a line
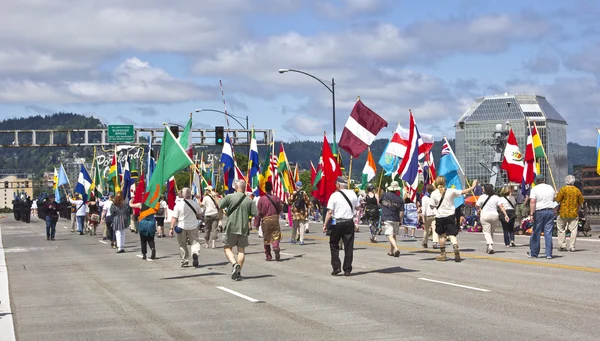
[132, 81]
[351, 8]
[305, 126]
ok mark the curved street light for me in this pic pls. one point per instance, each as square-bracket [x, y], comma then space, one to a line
[330, 87]
[235, 118]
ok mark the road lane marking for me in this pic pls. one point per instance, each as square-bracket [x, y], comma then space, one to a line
[286, 254]
[7, 329]
[103, 242]
[543, 263]
[454, 285]
[248, 298]
[64, 227]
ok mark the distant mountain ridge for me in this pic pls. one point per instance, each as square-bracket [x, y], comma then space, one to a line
[37, 160]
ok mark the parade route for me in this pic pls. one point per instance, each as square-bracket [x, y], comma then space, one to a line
[77, 288]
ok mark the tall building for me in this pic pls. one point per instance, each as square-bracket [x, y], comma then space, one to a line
[12, 186]
[476, 127]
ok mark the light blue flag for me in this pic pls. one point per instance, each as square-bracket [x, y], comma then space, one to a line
[57, 194]
[449, 169]
[388, 162]
[62, 177]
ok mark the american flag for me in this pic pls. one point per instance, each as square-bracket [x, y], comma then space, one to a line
[276, 180]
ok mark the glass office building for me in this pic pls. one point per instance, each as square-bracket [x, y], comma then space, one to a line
[476, 127]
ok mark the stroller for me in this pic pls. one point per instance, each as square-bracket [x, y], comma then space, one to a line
[583, 225]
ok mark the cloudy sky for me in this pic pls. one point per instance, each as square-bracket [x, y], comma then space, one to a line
[144, 62]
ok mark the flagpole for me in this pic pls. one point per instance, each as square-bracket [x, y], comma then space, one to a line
[546, 157]
[459, 167]
[350, 174]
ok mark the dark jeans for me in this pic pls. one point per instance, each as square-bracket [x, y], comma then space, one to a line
[80, 223]
[543, 221]
[345, 231]
[508, 229]
[110, 233]
[149, 240]
[50, 227]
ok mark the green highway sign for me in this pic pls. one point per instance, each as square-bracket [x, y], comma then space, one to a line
[121, 133]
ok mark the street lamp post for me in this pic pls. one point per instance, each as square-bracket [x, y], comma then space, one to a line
[330, 87]
[235, 118]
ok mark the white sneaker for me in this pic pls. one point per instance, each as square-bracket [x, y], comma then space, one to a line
[212, 244]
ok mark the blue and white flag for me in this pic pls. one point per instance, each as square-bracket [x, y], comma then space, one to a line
[84, 183]
[228, 162]
[128, 181]
[409, 167]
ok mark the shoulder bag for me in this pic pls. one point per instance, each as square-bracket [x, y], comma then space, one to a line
[230, 212]
[193, 210]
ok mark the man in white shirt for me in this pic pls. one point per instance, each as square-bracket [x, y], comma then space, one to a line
[185, 223]
[541, 201]
[108, 219]
[340, 210]
[80, 211]
[211, 217]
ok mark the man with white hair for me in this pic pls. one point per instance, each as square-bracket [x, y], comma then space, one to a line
[185, 223]
[340, 211]
[239, 208]
[570, 199]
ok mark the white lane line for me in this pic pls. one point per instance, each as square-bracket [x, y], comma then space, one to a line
[64, 227]
[286, 254]
[454, 285]
[7, 329]
[248, 298]
[103, 242]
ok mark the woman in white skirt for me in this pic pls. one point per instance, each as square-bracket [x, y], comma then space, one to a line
[488, 204]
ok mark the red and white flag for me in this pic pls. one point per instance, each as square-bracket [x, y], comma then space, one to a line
[400, 141]
[360, 130]
[513, 159]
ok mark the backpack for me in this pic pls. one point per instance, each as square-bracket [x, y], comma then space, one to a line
[300, 204]
[161, 211]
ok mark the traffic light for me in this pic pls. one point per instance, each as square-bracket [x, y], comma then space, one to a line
[219, 136]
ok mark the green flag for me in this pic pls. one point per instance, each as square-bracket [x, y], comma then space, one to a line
[171, 159]
[98, 185]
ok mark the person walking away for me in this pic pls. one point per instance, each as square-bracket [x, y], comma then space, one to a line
[51, 208]
[185, 223]
[73, 215]
[239, 208]
[541, 198]
[107, 218]
[34, 208]
[522, 209]
[442, 199]
[316, 209]
[392, 213]
[159, 217]
[211, 218]
[509, 204]
[411, 217]
[340, 212]
[269, 207]
[372, 212]
[80, 212]
[429, 218]
[119, 211]
[93, 215]
[488, 204]
[571, 200]
[298, 203]
[146, 230]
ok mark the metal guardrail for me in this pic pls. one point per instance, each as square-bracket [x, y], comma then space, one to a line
[98, 137]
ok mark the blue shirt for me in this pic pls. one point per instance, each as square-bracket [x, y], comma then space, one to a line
[391, 206]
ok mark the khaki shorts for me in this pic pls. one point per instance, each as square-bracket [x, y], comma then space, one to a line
[391, 228]
[231, 240]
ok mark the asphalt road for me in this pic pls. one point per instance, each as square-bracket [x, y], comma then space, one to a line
[77, 288]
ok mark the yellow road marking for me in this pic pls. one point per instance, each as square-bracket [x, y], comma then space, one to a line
[463, 255]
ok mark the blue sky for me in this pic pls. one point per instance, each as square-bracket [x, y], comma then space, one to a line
[145, 62]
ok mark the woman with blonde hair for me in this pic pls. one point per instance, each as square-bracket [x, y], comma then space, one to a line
[442, 202]
[489, 204]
